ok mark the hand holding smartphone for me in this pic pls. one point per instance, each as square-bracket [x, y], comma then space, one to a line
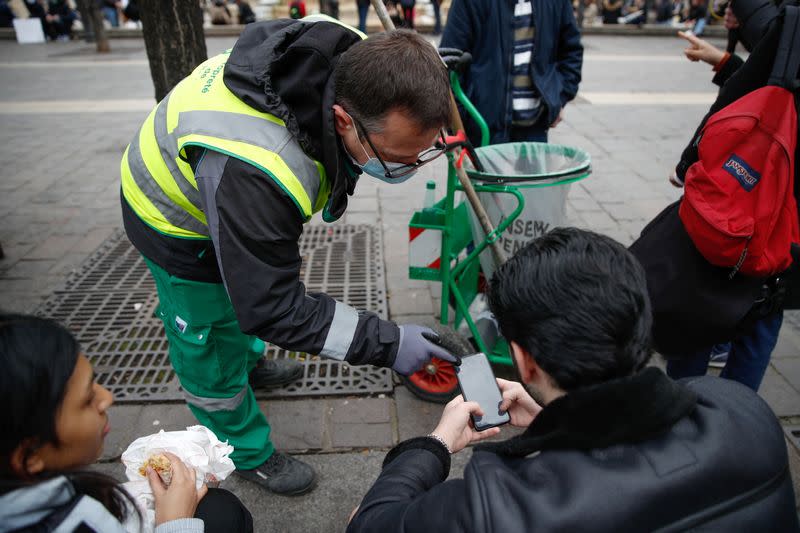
[478, 384]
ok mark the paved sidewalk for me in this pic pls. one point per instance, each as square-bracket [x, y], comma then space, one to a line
[68, 114]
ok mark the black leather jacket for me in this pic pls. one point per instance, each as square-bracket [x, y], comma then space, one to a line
[637, 454]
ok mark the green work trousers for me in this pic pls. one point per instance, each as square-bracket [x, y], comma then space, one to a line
[212, 358]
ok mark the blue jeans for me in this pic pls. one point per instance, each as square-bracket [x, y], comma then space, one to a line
[699, 27]
[363, 11]
[748, 356]
[112, 16]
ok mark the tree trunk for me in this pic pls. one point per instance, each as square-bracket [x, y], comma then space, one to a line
[173, 35]
[86, 20]
[97, 25]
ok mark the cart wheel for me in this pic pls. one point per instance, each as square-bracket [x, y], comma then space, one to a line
[436, 382]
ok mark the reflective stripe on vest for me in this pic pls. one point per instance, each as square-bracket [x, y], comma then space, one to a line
[200, 111]
[243, 136]
[158, 202]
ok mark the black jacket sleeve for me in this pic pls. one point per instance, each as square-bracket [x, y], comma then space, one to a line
[727, 70]
[570, 54]
[411, 494]
[459, 31]
[255, 227]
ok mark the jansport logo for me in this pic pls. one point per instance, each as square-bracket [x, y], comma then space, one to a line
[744, 173]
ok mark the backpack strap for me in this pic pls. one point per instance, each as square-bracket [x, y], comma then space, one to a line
[787, 57]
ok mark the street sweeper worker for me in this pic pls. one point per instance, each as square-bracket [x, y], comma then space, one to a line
[216, 187]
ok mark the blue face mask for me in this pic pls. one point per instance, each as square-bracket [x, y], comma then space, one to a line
[374, 168]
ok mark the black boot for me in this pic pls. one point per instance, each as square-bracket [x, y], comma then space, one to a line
[282, 474]
[275, 373]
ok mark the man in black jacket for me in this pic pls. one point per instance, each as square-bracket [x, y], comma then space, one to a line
[614, 446]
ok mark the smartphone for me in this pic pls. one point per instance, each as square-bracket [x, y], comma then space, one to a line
[478, 384]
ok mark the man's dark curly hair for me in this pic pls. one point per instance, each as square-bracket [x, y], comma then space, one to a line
[577, 302]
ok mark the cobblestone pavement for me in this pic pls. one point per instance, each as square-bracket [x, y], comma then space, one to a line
[68, 113]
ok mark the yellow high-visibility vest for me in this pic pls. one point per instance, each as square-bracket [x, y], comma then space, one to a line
[200, 111]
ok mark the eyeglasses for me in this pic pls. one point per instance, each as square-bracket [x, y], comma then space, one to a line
[424, 157]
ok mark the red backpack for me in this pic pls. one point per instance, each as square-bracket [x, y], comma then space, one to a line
[739, 207]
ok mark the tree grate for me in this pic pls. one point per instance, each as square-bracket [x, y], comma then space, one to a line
[115, 266]
[110, 302]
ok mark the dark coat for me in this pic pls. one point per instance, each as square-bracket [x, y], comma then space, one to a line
[485, 29]
[727, 70]
[695, 304]
[637, 454]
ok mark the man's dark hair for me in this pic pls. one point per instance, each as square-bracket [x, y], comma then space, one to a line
[393, 70]
[577, 302]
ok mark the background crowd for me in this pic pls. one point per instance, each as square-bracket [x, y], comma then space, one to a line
[59, 16]
[686, 14]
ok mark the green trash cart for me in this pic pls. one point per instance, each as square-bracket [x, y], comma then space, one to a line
[523, 187]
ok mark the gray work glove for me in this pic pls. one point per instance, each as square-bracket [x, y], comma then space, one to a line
[417, 345]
